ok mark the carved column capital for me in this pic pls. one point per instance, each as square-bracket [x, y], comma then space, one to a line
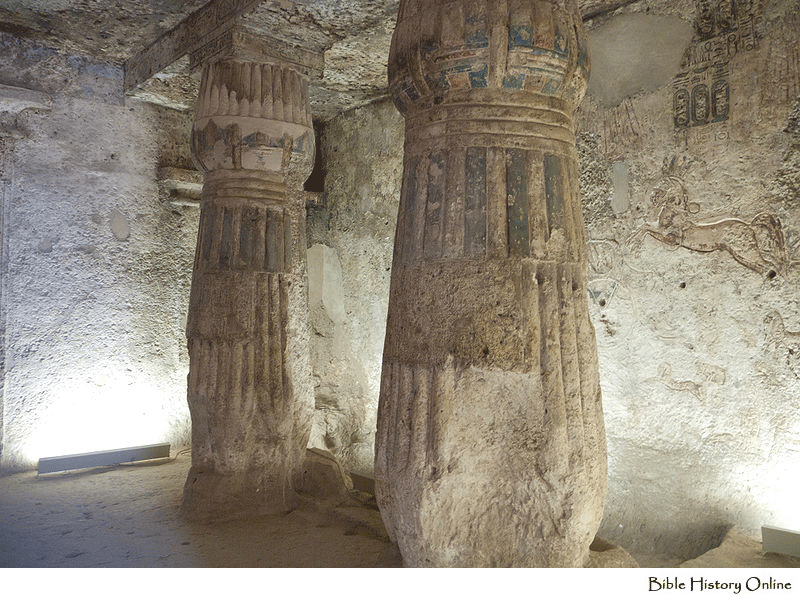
[253, 116]
[441, 51]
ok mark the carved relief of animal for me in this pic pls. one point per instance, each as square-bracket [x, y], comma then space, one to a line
[758, 245]
[666, 378]
[707, 375]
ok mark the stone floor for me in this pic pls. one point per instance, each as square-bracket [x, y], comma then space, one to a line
[128, 516]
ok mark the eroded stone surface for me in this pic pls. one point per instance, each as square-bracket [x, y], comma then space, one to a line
[605, 555]
[362, 151]
[249, 379]
[322, 477]
[490, 448]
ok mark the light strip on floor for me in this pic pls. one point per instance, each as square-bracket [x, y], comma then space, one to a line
[780, 541]
[104, 458]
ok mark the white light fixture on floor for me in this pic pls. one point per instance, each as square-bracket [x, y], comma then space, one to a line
[105, 458]
[780, 541]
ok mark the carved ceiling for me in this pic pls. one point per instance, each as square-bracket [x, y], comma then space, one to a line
[354, 36]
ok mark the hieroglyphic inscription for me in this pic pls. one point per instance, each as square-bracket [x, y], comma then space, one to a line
[475, 210]
[701, 91]
[781, 62]
[518, 205]
[621, 129]
[234, 40]
[211, 49]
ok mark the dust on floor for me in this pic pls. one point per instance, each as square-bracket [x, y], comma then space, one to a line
[129, 516]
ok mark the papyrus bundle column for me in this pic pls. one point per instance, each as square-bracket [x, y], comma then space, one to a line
[249, 387]
[490, 448]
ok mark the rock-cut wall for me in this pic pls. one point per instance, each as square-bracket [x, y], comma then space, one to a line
[96, 262]
[351, 236]
[689, 177]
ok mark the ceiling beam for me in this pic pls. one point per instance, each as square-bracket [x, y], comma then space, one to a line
[191, 34]
[238, 42]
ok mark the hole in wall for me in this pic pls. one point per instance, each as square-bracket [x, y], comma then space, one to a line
[19, 31]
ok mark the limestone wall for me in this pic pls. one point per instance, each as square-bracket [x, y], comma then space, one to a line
[689, 182]
[96, 263]
[351, 234]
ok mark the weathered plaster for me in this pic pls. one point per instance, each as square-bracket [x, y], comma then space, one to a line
[693, 286]
[635, 53]
[98, 268]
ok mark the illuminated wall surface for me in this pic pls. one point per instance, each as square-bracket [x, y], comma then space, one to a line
[693, 279]
[690, 175]
[96, 266]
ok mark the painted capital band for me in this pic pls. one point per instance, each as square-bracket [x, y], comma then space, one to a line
[490, 448]
[251, 411]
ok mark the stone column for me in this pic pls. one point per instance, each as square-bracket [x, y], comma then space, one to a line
[249, 390]
[490, 448]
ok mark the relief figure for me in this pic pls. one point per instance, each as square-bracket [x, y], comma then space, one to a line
[779, 338]
[758, 244]
[666, 378]
[706, 376]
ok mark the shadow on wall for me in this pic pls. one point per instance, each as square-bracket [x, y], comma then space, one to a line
[316, 181]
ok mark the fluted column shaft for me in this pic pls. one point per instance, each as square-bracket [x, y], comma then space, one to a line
[249, 387]
[490, 448]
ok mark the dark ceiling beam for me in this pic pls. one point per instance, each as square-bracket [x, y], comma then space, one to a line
[191, 34]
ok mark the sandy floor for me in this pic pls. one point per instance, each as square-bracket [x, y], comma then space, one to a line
[128, 516]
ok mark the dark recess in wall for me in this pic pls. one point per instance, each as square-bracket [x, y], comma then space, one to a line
[316, 181]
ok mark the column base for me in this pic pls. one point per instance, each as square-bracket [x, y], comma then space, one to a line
[211, 496]
[480, 467]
